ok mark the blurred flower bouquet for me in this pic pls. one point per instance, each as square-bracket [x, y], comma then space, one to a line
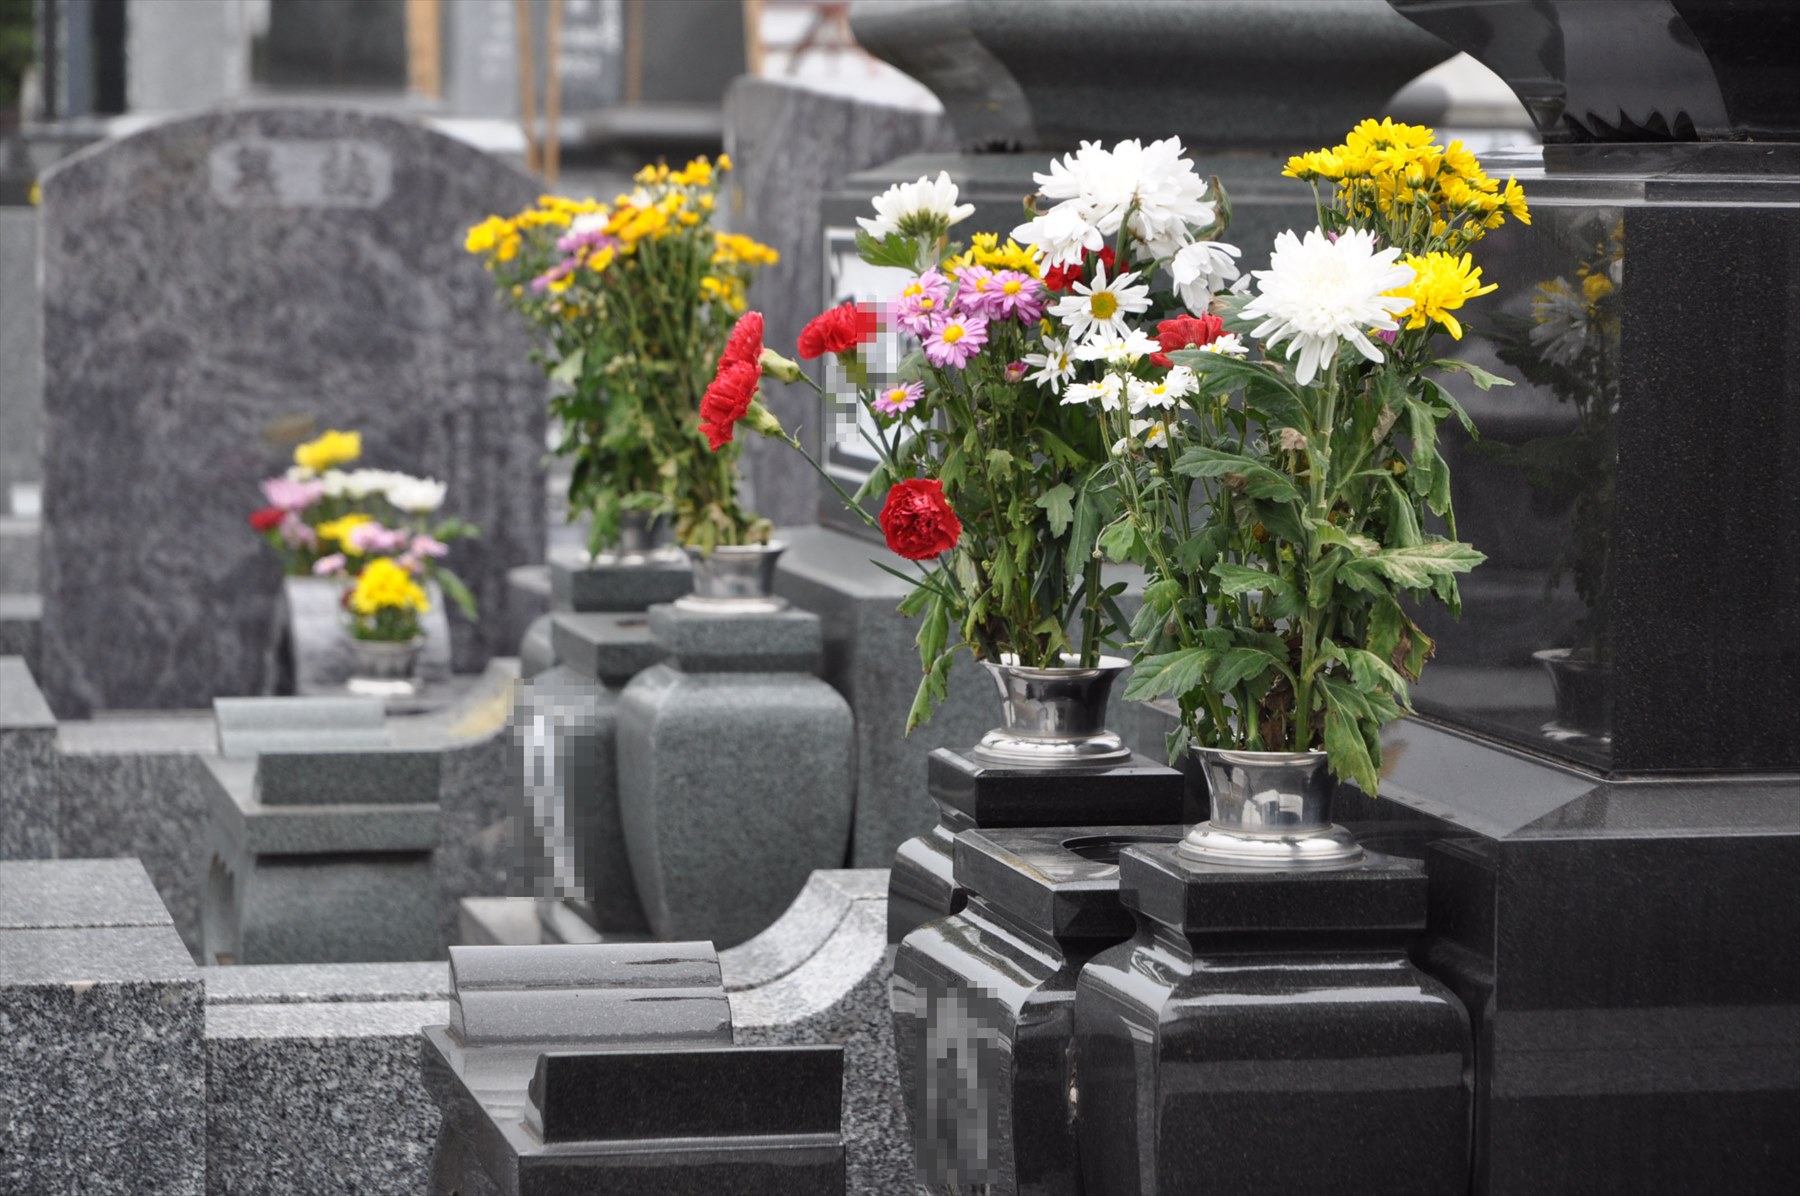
[990, 447]
[371, 528]
[635, 300]
[1285, 518]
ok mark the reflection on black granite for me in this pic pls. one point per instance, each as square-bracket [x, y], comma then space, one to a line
[1640, 607]
[1634, 70]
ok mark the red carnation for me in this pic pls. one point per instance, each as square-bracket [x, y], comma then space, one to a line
[267, 519]
[917, 521]
[746, 341]
[1058, 278]
[727, 400]
[838, 331]
[1186, 332]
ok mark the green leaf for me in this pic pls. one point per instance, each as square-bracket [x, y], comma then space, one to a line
[1449, 400]
[1260, 481]
[1171, 672]
[1419, 566]
[1058, 448]
[895, 250]
[1329, 533]
[1058, 506]
[1348, 753]
[1121, 542]
[1477, 375]
[1088, 517]
[455, 590]
[1372, 674]
[568, 370]
[1162, 594]
[1239, 579]
[999, 460]
[1240, 665]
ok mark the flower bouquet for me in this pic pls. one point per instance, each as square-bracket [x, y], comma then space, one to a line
[990, 452]
[1286, 518]
[371, 529]
[635, 300]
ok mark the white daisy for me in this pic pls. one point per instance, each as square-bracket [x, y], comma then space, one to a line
[1151, 433]
[1202, 269]
[1097, 186]
[1099, 309]
[926, 208]
[1318, 293]
[1107, 394]
[1054, 365]
[1143, 393]
[1228, 344]
[1118, 350]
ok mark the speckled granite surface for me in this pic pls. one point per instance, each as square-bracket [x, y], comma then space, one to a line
[102, 1080]
[820, 975]
[308, 273]
[31, 813]
[318, 1097]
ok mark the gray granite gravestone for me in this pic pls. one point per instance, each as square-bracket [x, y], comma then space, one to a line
[31, 814]
[216, 288]
[102, 1074]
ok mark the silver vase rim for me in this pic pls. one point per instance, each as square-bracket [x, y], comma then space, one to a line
[735, 549]
[1252, 756]
[1010, 662]
[1312, 841]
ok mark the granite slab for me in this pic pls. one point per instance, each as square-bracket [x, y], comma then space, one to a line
[333, 292]
[31, 814]
[106, 1083]
[73, 894]
[820, 974]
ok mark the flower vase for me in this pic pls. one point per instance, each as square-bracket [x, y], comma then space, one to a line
[384, 667]
[644, 540]
[1052, 717]
[1269, 810]
[1583, 695]
[734, 580]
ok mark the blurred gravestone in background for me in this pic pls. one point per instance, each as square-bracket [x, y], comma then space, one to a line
[217, 288]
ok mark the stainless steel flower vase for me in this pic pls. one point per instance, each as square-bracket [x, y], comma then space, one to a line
[643, 540]
[1052, 718]
[384, 666]
[1269, 810]
[734, 580]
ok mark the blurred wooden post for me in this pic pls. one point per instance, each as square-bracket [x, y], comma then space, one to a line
[425, 47]
[753, 46]
[553, 92]
[522, 39]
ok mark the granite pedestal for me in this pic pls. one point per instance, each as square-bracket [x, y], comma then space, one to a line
[104, 1072]
[31, 816]
[321, 857]
[1266, 1031]
[984, 1005]
[923, 883]
[735, 771]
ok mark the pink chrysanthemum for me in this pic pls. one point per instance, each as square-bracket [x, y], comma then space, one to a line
[953, 340]
[924, 300]
[1014, 294]
[290, 495]
[899, 399]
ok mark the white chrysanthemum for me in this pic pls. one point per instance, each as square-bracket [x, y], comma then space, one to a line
[336, 483]
[1202, 269]
[1097, 186]
[299, 473]
[1228, 344]
[1125, 350]
[1098, 310]
[1054, 365]
[1144, 393]
[420, 496]
[589, 222]
[1318, 293]
[1108, 393]
[1151, 433]
[926, 207]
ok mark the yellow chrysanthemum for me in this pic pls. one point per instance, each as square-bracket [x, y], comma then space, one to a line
[338, 530]
[1596, 287]
[384, 585]
[1441, 282]
[985, 250]
[331, 448]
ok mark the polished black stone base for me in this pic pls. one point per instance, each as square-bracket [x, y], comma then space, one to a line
[983, 1005]
[1266, 1032]
[922, 886]
[1628, 951]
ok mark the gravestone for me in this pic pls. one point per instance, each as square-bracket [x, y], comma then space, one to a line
[217, 288]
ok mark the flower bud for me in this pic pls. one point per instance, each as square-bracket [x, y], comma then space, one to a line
[763, 420]
[774, 365]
